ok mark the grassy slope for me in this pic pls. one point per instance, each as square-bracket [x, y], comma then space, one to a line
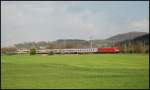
[73, 71]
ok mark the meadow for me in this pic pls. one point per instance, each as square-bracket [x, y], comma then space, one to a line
[97, 71]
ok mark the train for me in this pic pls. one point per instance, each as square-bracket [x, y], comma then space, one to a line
[78, 51]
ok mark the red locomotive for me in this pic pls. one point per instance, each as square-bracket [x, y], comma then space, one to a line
[108, 50]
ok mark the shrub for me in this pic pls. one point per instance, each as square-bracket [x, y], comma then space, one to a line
[32, 51]
[51, 53]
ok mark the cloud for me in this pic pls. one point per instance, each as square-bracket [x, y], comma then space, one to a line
[44, 23]
[140, 25]
[48, 21]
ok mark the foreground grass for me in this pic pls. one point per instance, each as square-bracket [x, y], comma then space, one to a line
[75, 71]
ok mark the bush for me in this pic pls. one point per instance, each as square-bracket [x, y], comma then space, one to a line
[32, 51]
[51, 53]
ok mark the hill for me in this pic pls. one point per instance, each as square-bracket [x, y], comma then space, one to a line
[126, 36]
[143, 38]
[109, 42]
[138, 44]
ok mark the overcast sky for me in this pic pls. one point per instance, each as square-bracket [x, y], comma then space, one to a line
[25, 21]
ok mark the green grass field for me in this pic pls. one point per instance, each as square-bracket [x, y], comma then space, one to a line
[101, 71]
